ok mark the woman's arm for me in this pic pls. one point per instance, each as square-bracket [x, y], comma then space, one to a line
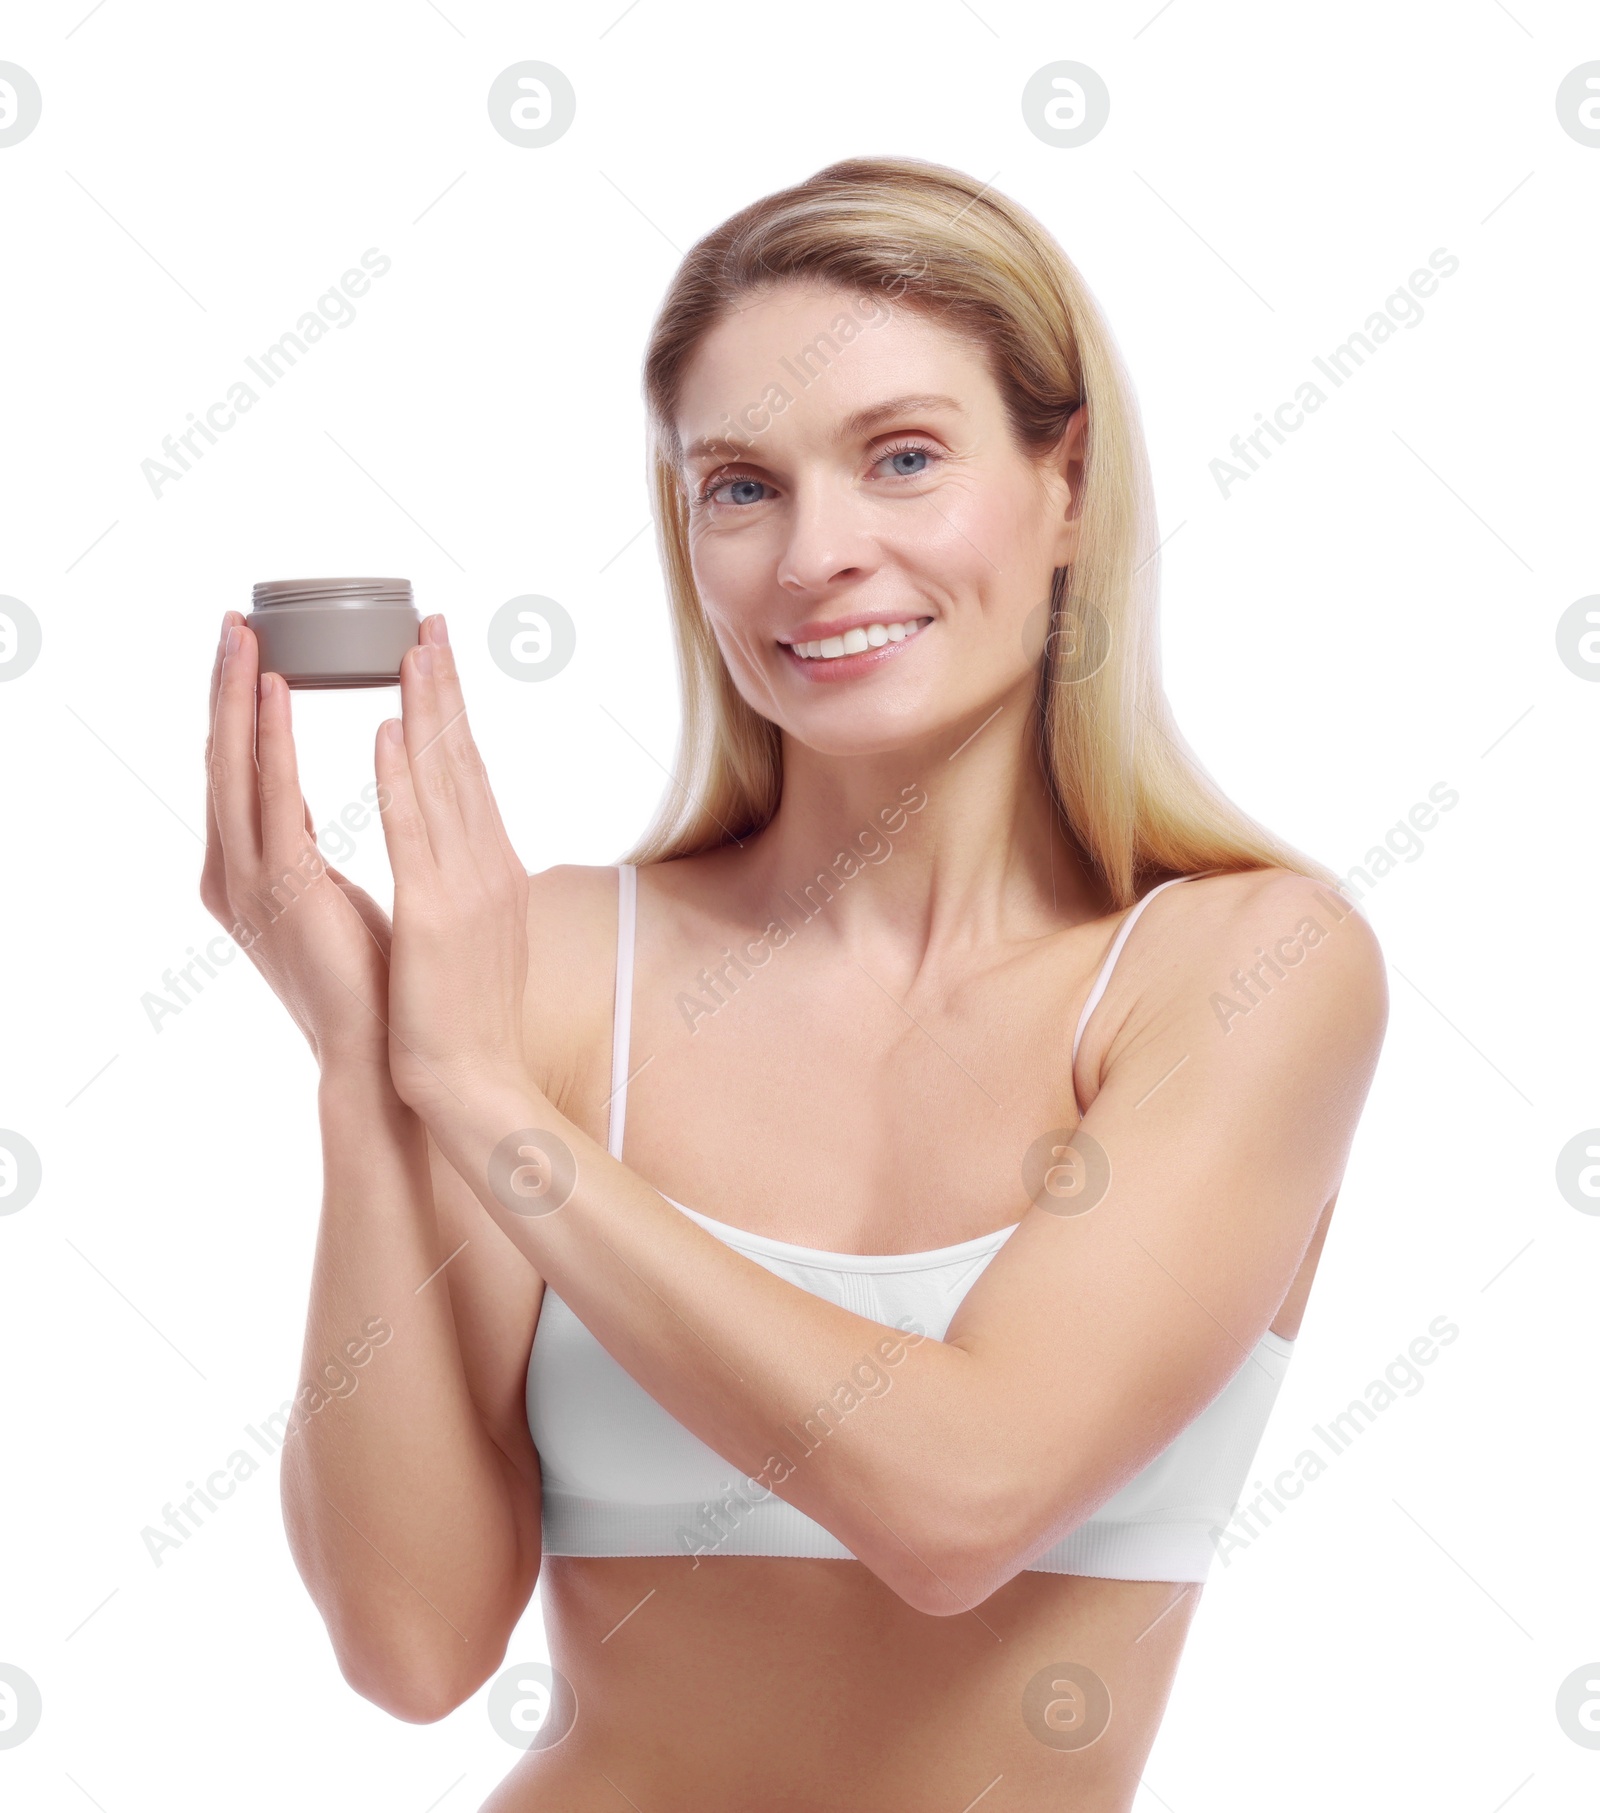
[1090, 1340]
[410, 1489]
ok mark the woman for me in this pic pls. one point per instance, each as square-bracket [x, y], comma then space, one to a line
[891, 1395]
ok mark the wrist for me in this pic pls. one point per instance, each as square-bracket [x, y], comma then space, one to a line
[484, 1108]
[359, 1081]
[485, 1129]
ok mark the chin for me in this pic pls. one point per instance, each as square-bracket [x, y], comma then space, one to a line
[845, 727]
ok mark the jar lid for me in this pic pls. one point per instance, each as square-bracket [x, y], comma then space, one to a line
[335, 592]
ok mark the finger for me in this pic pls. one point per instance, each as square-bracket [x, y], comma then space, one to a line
[411, 855]
[479, 811]
[229, 619]
[233, 762]
[284, 818]
[373, 916]
[424, 724]
[311, 833]
[213, 879]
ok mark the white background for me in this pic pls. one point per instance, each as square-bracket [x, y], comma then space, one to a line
[1370, 614]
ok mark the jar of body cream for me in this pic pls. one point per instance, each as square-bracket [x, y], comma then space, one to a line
[334, 632]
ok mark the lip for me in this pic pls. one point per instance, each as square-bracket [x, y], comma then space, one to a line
[848, 667]
[818, 630]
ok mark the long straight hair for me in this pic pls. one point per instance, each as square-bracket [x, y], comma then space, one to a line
[1127, 789]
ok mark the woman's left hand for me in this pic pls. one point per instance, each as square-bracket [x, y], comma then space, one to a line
[458, 964]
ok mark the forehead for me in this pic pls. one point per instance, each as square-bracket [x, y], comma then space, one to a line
[804, 360]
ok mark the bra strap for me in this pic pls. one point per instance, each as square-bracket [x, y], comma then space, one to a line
[622, 1007]
[1110, 963]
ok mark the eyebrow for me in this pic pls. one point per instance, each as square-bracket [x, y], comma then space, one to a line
[862, 422]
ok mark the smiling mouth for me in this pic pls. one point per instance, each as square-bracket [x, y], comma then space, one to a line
[858, 641]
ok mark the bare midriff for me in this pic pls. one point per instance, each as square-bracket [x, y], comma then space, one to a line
[741, 1684]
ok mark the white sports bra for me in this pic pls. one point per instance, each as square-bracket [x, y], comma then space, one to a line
[622, 1477]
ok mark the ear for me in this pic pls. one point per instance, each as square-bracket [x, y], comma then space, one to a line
[1065, 467]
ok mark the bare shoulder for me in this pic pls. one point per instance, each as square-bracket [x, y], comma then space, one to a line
[572, 944]
[1247, 933]
[572, 908]
[1210, 956]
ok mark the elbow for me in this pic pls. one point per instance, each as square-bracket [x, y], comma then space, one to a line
[937, 1595]
[402, 1693]
[413, 1684]
[957, 1560]
[420, 1670]
[946, 1583]
[407, 1657]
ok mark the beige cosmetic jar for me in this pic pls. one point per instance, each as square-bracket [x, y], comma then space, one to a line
[334, 632]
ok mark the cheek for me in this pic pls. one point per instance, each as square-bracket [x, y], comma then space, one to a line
[723, 567]
[1008, 558]
[1004, 519]
[974, 532]
[744, 645]
[741, 648]
[728, 576]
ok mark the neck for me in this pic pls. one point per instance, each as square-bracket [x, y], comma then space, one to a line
[950, 843]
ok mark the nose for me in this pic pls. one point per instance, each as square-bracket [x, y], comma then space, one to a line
[827, 540]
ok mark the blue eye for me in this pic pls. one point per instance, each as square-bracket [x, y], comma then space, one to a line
[752, 487]
[908, 453]
[709, 494]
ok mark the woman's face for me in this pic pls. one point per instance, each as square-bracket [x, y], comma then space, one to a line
[872, 550]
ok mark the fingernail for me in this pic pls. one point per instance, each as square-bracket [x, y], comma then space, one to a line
[425, 661]
[233, 641]
[394, 730]
[267, 682]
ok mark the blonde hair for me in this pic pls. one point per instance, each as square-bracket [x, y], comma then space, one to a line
[1129, 792]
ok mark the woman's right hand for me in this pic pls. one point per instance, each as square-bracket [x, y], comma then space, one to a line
[321, 942]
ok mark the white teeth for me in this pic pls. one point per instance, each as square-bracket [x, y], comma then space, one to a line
[854, 642]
